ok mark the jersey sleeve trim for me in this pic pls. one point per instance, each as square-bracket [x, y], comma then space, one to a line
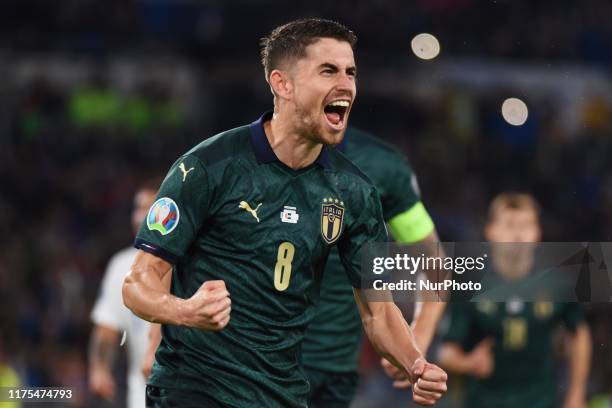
[412, 225]
[156, 250]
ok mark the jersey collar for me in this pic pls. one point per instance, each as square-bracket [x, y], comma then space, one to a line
[263, 150]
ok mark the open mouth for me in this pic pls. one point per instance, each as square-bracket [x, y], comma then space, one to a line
[335, 112]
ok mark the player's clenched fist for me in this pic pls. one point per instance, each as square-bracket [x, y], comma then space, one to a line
[428, 382]
[209, 308]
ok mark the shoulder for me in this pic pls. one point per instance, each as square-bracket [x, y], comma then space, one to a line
[381, 161]
[373, 154]
[346, 168]
[361, 138]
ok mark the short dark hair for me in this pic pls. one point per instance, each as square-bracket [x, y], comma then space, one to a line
[290, 40]
[512, 200]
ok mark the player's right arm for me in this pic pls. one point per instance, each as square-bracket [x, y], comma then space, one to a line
[171, 226]
[145, 294]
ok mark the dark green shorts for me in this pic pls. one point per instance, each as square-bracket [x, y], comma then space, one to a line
[173, 397]
[331, 390]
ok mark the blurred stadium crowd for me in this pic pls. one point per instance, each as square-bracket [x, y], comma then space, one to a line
[97, 96]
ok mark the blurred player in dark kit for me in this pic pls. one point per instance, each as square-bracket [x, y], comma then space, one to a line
[506, 348]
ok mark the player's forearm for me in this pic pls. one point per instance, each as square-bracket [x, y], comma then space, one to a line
[579, 359]
[147, 295]
[452, 358]
[388, 332]
[428, 313]
[425, 321]
[103, 348]
[152, 303]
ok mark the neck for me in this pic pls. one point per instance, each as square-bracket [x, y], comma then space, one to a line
[291, 148]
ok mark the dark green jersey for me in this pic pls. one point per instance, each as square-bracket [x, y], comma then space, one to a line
[523, 373]
[333, 339]
[230, 210]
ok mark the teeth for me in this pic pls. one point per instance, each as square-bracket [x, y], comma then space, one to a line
[344, 104]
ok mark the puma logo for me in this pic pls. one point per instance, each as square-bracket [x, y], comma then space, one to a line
[185, 172]
[245, 206]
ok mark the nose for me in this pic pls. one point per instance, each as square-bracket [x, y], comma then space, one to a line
[346, 84]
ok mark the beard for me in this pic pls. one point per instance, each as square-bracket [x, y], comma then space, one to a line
[308, 125]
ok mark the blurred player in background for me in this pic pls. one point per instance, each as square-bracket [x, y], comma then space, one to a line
[111, 318]
[332, 344]
[506, 348]
[254, 212]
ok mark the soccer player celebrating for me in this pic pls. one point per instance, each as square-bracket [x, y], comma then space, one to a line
[333, 340]
[111, 317]
[253, 213]
[506, 348]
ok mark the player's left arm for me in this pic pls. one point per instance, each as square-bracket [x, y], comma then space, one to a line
[382, 320]
[393, 339]
[579, 355]
[427, 313]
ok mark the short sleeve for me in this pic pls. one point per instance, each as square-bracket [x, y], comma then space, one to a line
[369, 227]
[398, 187]
[459, 324]
[180, 209]
[109, 309]
[572, 316]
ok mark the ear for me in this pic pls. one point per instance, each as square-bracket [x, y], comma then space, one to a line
[281, 84]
